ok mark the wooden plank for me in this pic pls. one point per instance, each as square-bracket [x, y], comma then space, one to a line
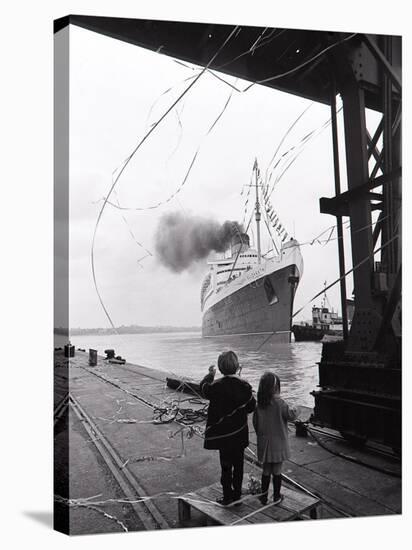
[300, 502]
[255, 519]
[294, 504]
[232, 512]
[220, 514]
[183, 511]
[274, 511]
[285, 511]
[290, 508]
[250, 503]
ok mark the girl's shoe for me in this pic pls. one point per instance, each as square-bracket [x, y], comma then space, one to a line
[264, 488]
[277, 483]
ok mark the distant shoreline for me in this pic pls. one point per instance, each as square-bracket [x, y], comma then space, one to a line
[125, 330]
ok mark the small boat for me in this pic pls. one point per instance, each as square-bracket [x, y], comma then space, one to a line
[307, 333]
[326, 324]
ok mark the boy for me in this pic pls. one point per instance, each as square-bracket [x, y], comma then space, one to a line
[227, 430]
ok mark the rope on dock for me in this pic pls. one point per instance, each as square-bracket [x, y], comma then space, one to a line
[89, 501]
[170, 412]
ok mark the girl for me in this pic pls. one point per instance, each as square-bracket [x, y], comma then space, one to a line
[270, 421]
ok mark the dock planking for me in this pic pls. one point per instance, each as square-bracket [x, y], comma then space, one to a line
[347, 500]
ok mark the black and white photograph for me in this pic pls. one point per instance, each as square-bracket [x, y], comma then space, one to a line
[205, 274]
[227, 274]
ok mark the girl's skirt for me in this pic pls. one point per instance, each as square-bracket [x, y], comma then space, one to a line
[272, 468]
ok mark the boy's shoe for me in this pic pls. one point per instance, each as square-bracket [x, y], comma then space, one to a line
[277, 499]
[263, 499]
[224, 501]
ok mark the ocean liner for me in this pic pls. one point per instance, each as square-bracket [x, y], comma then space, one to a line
[247, 292]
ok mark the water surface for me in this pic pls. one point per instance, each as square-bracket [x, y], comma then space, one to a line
[189, 355]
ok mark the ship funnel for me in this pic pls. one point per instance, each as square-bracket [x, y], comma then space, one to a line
[239, 241]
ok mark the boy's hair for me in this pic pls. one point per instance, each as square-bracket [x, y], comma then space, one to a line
[228, 363]
[269, 384]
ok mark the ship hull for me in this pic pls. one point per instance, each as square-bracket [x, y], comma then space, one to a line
[261, 307]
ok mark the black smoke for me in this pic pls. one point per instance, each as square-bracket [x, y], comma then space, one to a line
[181, 240]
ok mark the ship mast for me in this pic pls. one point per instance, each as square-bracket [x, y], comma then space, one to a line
[257, 214]
[323, 304]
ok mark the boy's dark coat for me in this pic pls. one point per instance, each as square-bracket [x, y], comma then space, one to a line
[226, 429]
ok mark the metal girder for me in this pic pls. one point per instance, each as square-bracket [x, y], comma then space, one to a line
[366, 318]
[377, 229]
[373, 150]
[378, 165]
[341, 245]
[372, 141]
[393, 300]
[383, 61]
[339, 205]
[368, 66]
[255, 53]
[375, 196]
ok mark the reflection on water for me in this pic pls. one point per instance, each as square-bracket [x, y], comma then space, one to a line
[189, 355]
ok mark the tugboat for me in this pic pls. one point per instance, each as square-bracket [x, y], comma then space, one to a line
[307, 333]
[326, 323]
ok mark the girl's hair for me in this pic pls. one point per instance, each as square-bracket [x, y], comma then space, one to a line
[268, 385]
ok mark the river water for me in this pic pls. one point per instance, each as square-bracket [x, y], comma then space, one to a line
[189, 355]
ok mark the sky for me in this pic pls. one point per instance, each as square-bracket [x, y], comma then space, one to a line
[117, 91]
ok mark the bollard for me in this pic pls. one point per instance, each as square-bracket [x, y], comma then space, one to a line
[69, 350]
[301, 429]
[92, 357]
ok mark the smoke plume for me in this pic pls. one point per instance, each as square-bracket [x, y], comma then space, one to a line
[181, 240]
